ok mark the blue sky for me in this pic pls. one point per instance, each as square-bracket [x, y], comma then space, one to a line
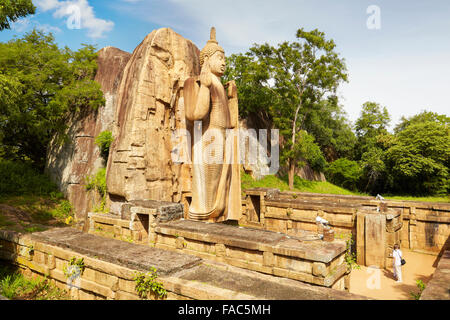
[403, 65]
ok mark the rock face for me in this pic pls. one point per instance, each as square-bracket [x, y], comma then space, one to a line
[149, 109]
[68, 164]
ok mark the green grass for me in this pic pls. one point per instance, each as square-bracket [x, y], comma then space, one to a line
[13, 285]
[43, 211]
[19, 178]
[26, 189]
[4, 222]
[301, 185]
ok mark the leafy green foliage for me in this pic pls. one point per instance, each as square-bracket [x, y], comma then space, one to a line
[372, 122]
[421, 286]
[12, 10]
[307, 149]
[350, 252]
[98, 184]
[63, 210]
[286, 84]
[420, 158]
[13, 285]
[19, 178]
[103, 141]
[345, 173]
[74, 268]
[272, 181]
[41, 87]
[146, 284]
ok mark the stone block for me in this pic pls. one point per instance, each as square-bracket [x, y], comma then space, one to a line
[375, 240]
[179, 243]
[51, 261]
[221, 250]
[85, 295]
[268, 259]
[95, 288]
[122, 295]
[319, 269]
[74, 294]
[117, 231]
[127, 286]
[39, 257]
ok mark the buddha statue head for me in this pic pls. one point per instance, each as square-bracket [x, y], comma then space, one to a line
[214, 54]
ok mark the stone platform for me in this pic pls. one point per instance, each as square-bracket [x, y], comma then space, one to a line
[110, 266]
[136, 256]
[299, 258]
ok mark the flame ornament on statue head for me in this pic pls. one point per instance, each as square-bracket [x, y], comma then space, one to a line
[211, 47]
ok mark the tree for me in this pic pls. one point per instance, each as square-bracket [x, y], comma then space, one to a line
[332, 131]
[372, 122]
[12, 10]
[424, 116]
[345, 173]
[419, 157]
[43, 85]
[289, 82]
[372, 136]
[252, 81]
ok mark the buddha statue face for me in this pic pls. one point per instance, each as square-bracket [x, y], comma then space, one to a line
[217, 63]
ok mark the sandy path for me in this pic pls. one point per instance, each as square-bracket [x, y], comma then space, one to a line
[380, 284]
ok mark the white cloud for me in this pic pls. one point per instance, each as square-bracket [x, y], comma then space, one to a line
[25, 24]
[78, 11]
[402, 66]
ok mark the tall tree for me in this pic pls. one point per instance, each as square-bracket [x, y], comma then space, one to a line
[12, 10]
[371, 132]
[43, 84]
[419, 155]
[293, 79]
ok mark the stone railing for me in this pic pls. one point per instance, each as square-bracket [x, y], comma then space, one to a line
[425, 227]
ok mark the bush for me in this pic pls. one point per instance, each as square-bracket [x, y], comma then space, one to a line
[345, 173]
[103, 141]
[20, 178]
[98, 184]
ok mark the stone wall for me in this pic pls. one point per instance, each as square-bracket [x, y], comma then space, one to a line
[376, 235]
[315, 262]
[109, 273]
[438, 288]
[425, 225]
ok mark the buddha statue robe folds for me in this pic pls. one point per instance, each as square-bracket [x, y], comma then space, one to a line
[213, 110]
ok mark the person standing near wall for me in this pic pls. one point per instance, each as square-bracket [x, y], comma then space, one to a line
[397, 262]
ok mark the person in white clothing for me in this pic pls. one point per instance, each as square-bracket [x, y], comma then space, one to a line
[397, 255]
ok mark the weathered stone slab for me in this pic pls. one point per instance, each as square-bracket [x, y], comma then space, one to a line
[318, 250]
[226, 234]
[262, 286]
[135, 256]
[166, 211]
[255, 239]
[375, 240]
[439, 286]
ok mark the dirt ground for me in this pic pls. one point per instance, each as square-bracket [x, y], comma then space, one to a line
[380, 284]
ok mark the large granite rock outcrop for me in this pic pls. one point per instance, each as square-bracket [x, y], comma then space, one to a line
[68, 164]
[149, 109]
